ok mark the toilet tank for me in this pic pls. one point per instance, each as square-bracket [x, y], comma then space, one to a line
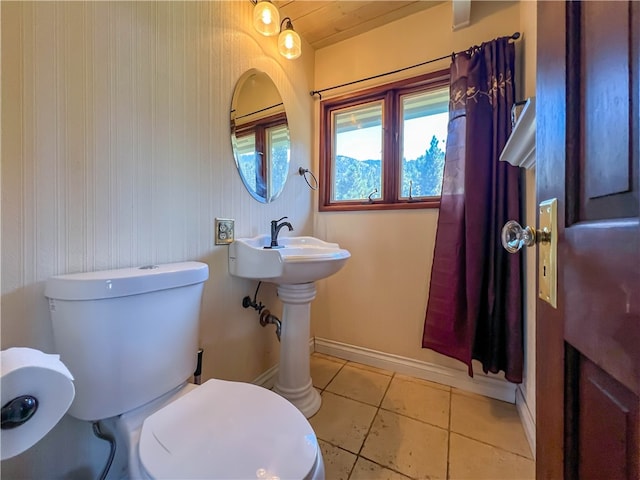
[128, 336]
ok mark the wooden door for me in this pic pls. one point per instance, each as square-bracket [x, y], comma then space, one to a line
[588, 349]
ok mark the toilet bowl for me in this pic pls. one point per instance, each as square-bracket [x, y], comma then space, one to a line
[129, 337]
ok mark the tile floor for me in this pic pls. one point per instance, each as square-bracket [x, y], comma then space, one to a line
[378, 425]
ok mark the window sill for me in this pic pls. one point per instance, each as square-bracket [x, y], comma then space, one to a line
[366, 206]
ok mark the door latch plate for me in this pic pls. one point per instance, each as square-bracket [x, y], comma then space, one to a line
[548, 252]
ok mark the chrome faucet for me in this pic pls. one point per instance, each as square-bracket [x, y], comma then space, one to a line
[275, 229]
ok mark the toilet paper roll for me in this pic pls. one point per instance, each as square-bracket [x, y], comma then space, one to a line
[26, 371]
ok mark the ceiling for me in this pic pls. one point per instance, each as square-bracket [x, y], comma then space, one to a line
[322, 23]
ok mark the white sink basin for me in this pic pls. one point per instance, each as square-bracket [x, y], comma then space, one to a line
[299, 260]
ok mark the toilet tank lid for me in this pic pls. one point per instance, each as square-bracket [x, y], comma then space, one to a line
[126, 281]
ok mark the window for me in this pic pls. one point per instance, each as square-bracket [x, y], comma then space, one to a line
[278, 150]
[262, 154]
[384, 148]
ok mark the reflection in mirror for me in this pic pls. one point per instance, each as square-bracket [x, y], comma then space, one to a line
[260, 135]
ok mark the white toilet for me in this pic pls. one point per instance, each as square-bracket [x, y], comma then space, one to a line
[129, 337]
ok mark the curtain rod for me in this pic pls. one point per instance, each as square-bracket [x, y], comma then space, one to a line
[257, 111]
[515, 36]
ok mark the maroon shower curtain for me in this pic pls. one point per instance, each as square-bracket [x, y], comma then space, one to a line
[474, 309]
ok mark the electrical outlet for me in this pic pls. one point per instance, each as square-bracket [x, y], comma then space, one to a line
[224, 231]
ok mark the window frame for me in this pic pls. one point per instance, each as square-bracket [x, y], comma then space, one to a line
[390, 94]
[258, 128]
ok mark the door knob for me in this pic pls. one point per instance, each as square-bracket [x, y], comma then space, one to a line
[514, 237]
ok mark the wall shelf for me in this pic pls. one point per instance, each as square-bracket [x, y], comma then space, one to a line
[520, 149]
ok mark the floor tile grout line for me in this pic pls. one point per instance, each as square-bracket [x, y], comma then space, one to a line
[342, 395]
[333, 377]
[338, 446]
[369, 368]
[423, 382]
[386, 467]
[380, 407]
[374, 417]
[348, 451]
[364, 440]
[364, 458]
[389, 378]
[414, 418]
[493, 446]
[353, 467]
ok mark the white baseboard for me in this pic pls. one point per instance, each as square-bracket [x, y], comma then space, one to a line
[268, 378]
[480, 384]
[527, 421]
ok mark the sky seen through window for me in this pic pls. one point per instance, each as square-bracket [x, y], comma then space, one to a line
[366, 143]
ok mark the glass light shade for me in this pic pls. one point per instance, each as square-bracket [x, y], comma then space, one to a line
[266, 18]
[289, 44]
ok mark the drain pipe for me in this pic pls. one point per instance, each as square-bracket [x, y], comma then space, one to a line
[97, 431]
[197, 375]
[265, 315]
[266, 318]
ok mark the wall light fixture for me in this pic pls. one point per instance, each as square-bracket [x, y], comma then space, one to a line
[266, 18]
[289, 43]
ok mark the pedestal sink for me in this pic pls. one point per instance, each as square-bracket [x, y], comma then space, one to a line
[293, 267]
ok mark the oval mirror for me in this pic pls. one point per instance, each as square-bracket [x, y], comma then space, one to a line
[260, 135]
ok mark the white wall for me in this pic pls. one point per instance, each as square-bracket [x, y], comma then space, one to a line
[378, 301]
[116, 153]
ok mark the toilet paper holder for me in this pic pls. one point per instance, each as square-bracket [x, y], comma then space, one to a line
[37, 390]
[18, 411]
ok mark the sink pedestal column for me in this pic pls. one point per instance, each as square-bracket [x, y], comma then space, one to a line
[294, 375]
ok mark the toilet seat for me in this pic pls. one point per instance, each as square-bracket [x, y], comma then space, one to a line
[228, 430]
